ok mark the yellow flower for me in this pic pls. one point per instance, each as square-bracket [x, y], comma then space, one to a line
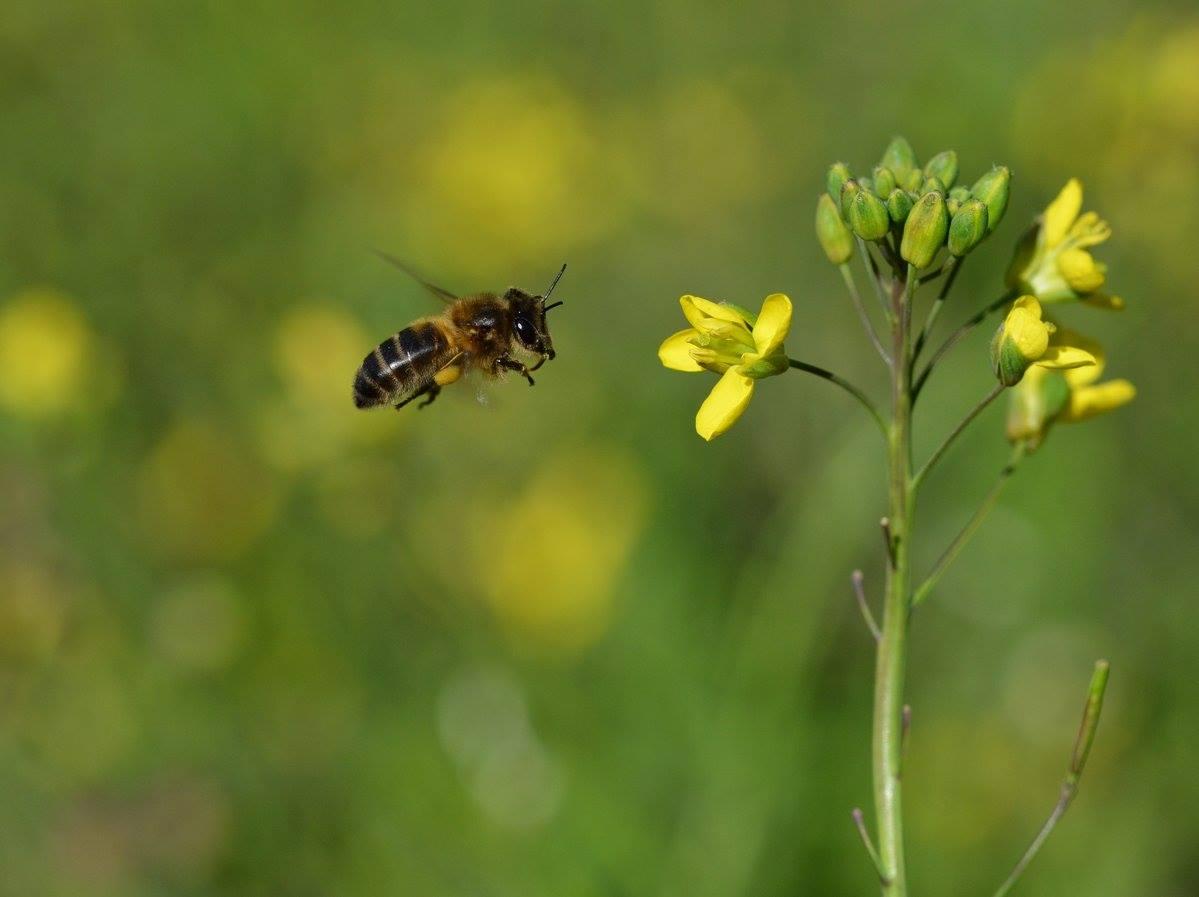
[1045, 397]
[732, 342]
[1024, 340]
[1052, 261]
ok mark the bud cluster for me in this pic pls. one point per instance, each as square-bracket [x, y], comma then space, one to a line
[921, 206]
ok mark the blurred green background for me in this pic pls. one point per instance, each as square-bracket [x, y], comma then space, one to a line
[255, 642]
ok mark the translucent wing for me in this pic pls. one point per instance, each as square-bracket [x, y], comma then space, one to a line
[443, 294]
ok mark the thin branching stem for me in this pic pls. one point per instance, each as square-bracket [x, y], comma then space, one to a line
[951, 268]
[1078, 761]
[845, 385]
[859, 591]
[957, 336]
[867, 324]
[875, 278]
[957, 431]
[859, 823]
[970, 528]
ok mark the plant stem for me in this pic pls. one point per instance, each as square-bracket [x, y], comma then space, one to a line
[1078, 760]
[845, 385]
[970, 528]
[867, 324]
[957, 431]
[953, 266]
[958, 335]
[891, 656]
[875, 279]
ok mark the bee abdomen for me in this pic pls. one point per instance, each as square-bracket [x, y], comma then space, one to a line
[401, 365]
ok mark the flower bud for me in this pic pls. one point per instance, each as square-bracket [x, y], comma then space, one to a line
[944, 167]
[1020, 340]
[849, 190]
[834, 236]
[899, 204]
[992, 188]
[968, 227]
[899, 157]
[911, 180]
[955, 198]
[838, 174]
[932, 185]
[924, 231]
[868, 216]
[884, 181]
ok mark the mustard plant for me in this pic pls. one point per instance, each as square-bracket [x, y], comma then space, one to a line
[913, 227]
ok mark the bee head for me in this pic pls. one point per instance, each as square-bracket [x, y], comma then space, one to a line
[528, 319]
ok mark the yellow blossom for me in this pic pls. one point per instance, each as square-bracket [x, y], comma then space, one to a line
[1045, 397]
[734, 343]
[1052, 262]
[1024, 340]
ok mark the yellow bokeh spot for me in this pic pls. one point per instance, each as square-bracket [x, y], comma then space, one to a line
[316, 351]
[513, 168]
[45, 345]
[550, 559]
[202, 497]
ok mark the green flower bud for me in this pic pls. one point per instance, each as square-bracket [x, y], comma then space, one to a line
[866, 184]
[992, 188]
[899, 204]
[838, 174]
[924, 232]
[932, 185]
[961, 194]
[868, 216]
[944, 167]
[952, 206]
[848, 191]
[884, 181]
[911, 180]
[834, 236]
[1007, 361]
[899, 157]
[968, 227]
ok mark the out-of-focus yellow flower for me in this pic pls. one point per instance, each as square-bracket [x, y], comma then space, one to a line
[1045, 397]
[547, 563]
[1023, 340]
[45, 347]
[730, 341]
[1052, 261]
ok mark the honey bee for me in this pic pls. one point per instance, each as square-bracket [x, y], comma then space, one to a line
[485, 332]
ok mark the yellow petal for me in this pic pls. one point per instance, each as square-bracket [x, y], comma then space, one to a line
[1081, 376]
[1028, 303]
[1059, 358]
[1094, 400]
[774, 322]
[1081, 270]
[1102, 300]
[1026, 331]
[1089, 230]
[695, 309]
[724, 404]
[675, 352]
[1061, 213]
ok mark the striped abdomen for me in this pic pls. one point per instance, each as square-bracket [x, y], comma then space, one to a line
[402, 365]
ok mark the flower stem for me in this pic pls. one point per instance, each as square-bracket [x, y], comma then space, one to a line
[845, 385]
[953, 266]
[1078, 760]
[867, 324]
[958, 335]
[969, 529]
[891, 656]
[957, 431]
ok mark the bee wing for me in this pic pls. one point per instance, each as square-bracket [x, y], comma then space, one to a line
[443, 294]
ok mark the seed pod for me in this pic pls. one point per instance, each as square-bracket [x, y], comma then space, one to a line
[834, 236]
[924, 232]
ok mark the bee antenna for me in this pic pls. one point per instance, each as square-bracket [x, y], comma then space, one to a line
[549, 292]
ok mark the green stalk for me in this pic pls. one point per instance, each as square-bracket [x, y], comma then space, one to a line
[891, 657]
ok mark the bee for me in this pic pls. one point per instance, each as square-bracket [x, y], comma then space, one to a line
[487, 332]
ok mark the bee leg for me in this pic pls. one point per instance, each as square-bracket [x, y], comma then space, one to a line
[512, 364]
[432, 393]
